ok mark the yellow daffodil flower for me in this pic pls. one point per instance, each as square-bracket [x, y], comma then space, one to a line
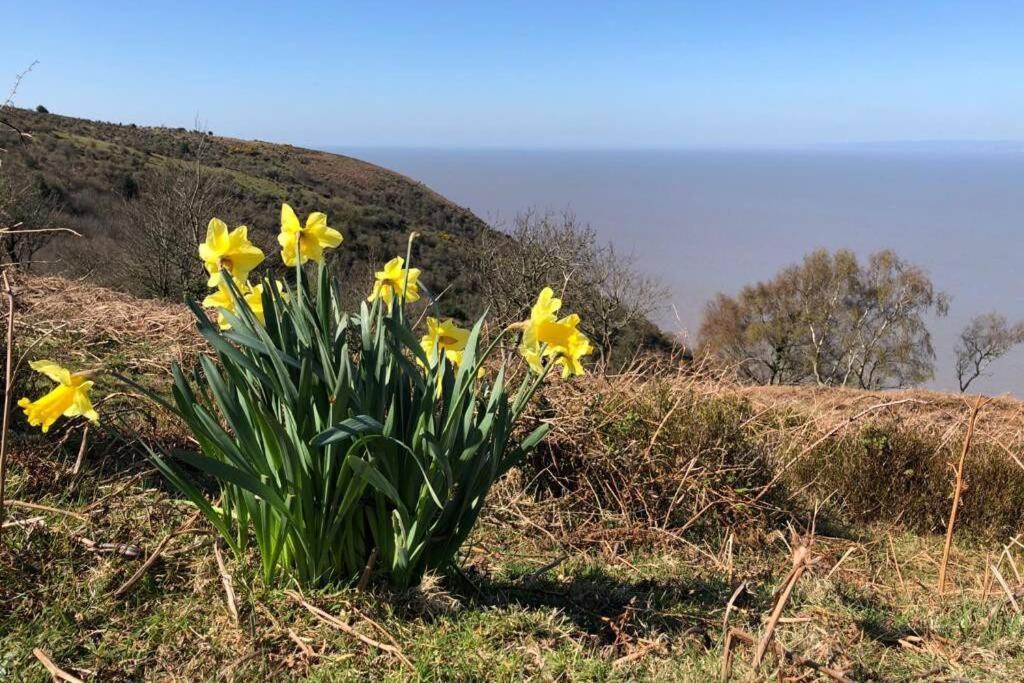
[254, 298]
[544, 336]
[307, 242]
[395, 280]
[222, 301]
[231, 251]
[546, 308]
[69, 398]
[449, 338]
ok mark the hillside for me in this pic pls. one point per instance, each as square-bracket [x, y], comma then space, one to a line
[658, 514]
[95, 172]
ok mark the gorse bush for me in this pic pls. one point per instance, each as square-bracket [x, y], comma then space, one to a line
[890, 472]
[652, 452]
[341, 440]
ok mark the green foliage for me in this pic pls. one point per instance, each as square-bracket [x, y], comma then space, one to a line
[334, 438]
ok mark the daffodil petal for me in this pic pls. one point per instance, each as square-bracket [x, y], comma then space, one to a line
[289, 221]
[52, 370]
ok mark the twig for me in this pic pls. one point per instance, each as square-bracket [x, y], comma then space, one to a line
[729, 605]
[155, 555]
[896, 562]
[800, 564]
[17, 83]
[225, 580]
[29, 521]
[57, 673]
[331, 620]
[544, 569]
[7, 395]
[10, 100]
[958, 484]
[81, 451]
[1009, 593]
[125, 549]
[47, 508]
[842, 559]
[303, 645]
[29, 231]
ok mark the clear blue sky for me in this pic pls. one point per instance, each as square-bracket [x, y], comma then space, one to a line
[531, 74]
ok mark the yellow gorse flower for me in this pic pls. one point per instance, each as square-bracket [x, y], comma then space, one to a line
[545, 336]
[394, 281]
[231, 251]
[449, 338]
[308, 242]
[70, 398]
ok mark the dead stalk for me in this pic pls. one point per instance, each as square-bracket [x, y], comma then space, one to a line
[128, 585]
[800, 563]
[56, 673]
[337, 623]
[781, 652]
[81, 451]
[1006, 589]
[225, 580]
[958, 484]
[9, 293]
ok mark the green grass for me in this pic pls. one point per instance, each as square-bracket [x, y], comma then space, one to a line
[496, 619]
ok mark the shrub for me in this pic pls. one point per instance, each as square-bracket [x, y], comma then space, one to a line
[889, 472]
[655, 453]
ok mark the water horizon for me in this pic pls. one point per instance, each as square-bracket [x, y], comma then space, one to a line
[734, 216]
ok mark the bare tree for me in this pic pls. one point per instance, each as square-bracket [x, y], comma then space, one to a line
[4, 122]
[830, 321]
[547, 249]
[29, 220]
[165, 222]
[985, 339]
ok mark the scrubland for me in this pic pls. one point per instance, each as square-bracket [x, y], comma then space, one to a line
[664, 511]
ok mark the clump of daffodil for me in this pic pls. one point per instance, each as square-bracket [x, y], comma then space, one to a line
[307, 243]
[70, 398]
[228, 251]
[329, 446]
[449, 338]
[394, 281]
[546, 336]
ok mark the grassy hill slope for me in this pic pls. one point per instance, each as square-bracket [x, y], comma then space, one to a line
[95, 169]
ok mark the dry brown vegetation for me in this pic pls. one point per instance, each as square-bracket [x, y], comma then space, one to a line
[656, 518]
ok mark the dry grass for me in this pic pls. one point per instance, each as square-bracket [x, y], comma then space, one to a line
[656, 518]
[92, 325]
